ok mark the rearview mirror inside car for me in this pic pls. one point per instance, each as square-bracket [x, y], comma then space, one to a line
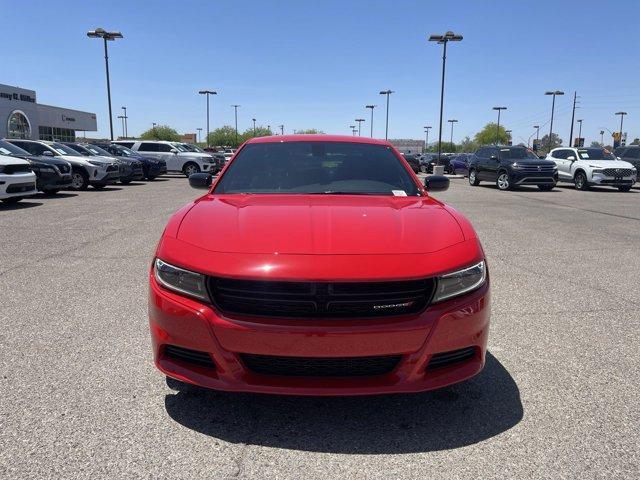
[435, 183]
[200, 180]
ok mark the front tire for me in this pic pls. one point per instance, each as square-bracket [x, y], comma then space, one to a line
[125, 182]
[190, 168]
[624, 188]
[11, 200]
[580, 181]
[503, 182]
[473, 178]
[79, 180]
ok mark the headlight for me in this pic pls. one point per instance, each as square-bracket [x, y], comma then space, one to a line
[96, 163]
[597, 171]
[180, 280]
[517, 166]
[462, 281]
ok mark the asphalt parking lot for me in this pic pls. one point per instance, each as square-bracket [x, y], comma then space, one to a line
[559, 397]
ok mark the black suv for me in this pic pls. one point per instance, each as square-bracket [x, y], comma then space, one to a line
[52, 174]
[630, 153]
[510, 167]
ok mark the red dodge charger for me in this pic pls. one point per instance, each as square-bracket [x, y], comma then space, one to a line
[319, 265]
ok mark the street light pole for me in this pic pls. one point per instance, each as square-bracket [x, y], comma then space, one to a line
[106, 36]
[499, 109]
[553, 106]
[235, 112]
[386, 128]
[602, 137]
[126, 130]
[122, 117]
[508, 133]
[359, 120]
[353, 129]
[371, 123]
[443, 39]
[622, 114]
[207, 93]
[452, 121]
[254, 126]
[426, 140]
[199, 132]
[281, 127]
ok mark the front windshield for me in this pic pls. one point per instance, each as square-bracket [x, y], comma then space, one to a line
[127, 152]
[7, 148]
[516, 153]
[196, 148]
[317, 168]
[64, 150]
[98, 151]
[179, 147]
[595, 154]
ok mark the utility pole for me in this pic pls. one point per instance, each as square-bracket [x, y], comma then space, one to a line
[359, 120]
[426, 140]
[371, 124]
[126, 129]
[579, 132]
[235, 111]
[573, 116]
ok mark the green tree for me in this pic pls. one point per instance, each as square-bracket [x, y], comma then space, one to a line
[447, 147]
[492, 134]
[161, 132]
[225, 137]
[556, 141]
[259, 131]
[309, 131]
[468, 145]
[596, 145]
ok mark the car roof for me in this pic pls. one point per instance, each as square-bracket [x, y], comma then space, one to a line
[318, 138]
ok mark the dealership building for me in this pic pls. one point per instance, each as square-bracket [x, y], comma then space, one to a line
[21, 116]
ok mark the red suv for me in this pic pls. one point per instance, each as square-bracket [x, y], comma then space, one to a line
[319, 265]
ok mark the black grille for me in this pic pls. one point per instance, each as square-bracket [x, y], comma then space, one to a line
[113, 168]
[444, 359]
[320, 367]
[64, 168]
[617, 172]
[321, 299]
[11, 169]
[537, 168]
[21, 187]
[196, 357]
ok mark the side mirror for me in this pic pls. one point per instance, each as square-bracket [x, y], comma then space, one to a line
[200, 180]
[571, 157]
[173, 150]
[433, 183]
[47, 153]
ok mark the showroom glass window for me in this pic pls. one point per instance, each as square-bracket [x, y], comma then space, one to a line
[18, 126]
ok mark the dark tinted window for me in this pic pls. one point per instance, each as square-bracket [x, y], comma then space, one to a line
[633, 153]
[595, 154]
[79, 148]
[148, 147]
[516, 153]
[163, 147]
[32, 148]
[317, 167]
[126, 144]
[7, 148]
[561, 154]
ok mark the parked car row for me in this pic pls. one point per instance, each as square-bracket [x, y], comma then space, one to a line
[29, 166]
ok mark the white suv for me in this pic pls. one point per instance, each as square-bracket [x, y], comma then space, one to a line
[178, 158]
[585, 167]
[85, 171]
[17, 180]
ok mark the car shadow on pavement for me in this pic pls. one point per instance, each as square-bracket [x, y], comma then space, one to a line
[453, 417]
[18, 206]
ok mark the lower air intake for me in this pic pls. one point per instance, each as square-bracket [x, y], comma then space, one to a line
[445, 359]
[202, 359]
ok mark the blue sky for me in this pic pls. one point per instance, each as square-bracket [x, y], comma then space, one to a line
[317, 66]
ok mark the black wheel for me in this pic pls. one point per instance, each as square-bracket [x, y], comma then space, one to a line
[99, 186]
[125, 182]
[624, 188]
[11, 200]
[580, 181]
[190, 168]
[52, 192]
[503, 182]
[79, 180]
[151, 178]
[547, 188]
[473, 178]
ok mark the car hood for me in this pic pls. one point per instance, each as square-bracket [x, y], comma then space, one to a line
[319, 224]
[194, 154]
[605, 163]
[529, 161]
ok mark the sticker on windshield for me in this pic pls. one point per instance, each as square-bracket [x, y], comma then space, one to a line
[584, 154]
[399, 193]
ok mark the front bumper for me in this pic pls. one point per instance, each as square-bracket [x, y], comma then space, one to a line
[534, 178]
[52, 180]
[106, 177]
[454, 324]
[600, 179]
[17, 185]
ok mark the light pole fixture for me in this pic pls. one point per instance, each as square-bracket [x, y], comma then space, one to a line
[499, 109]
[386, 128]
[426, 139]
[579, 131]
[371, 123]
[107, 37]
[353, 129]
[602, 137]
[207, 93]
[553, 106]
[443, 39]
[199, 132]
[126, 129]
[537, 127]
[452, 121]
[622, 114]
[235, 113]
[359, 120]
[122, 117]
[281, 127]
